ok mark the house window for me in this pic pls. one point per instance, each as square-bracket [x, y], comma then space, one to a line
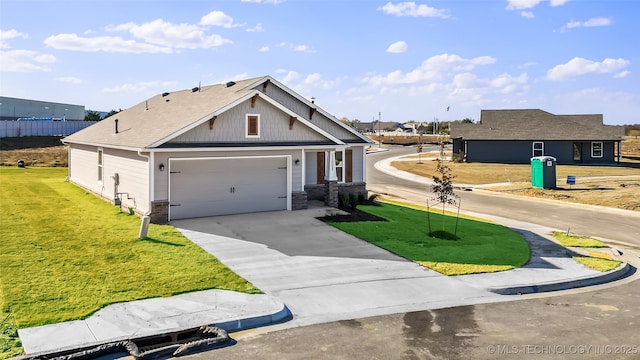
[253, 126]
[596, 149]
[538, 148]
[339, 165]
[100, 169]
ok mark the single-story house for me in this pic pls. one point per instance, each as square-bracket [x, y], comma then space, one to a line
[246, 146]
[515, 136]
[376, 127]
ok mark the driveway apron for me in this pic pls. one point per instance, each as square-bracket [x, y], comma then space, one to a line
[321, 273]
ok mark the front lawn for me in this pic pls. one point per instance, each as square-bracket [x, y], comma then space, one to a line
[480, 247]
[66, 254]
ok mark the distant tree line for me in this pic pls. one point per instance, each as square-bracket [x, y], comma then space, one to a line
[95, 116]
[632, 130]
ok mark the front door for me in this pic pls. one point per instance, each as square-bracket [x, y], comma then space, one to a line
[577, 152]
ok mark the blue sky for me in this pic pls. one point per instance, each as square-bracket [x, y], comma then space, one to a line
[358, 58]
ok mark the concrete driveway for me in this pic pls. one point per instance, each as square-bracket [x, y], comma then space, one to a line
[321, 273]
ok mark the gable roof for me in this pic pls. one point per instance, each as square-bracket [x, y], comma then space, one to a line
[161, 118]
[536, 124]
[309, 104]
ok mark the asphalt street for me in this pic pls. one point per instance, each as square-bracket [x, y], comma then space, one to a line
[575, 324]
[600, 222]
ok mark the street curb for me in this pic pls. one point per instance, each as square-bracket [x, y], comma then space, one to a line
[622, 271]
[279, 317]
[76, 335]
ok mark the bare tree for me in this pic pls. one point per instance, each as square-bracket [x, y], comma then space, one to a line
[443, 190]
[443, 185]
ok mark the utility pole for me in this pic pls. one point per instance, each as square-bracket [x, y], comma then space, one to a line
[379, 135]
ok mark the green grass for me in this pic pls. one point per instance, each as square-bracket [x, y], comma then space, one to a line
[577, 241]
[480, 247]
[66, 254]
[597, 263]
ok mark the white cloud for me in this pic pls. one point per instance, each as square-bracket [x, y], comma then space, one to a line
[573, 24]
[289, 76]
[397, 47]
[507, 84]
[410, 8]
[297, 48]
[312, 79]
[160, 32]
[522, 4]
[450, 79]
[529, 4]
[70, 80]
[25, 61]
[433, 68]
[502, 84]
[527, 64]
[599, 21]
[579, 66]
[257, 28]
[558, 2]
[527, 14]
[264, 49]
[303, 48]
[218, 18]
[235, 77]
[102, 43]
[622, 74]
[593, 22]
[315, 80]
[140, 87]
[6, 35]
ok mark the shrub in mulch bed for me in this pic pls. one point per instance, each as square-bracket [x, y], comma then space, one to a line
[353, 216]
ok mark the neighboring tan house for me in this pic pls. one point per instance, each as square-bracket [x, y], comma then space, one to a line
[246, 146]
[515, 136]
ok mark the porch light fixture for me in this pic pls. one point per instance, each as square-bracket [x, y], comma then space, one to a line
[297, 162]
[161, 167]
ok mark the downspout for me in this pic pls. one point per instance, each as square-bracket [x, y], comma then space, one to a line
[303, 165]
[68, 163]
[150, 161]
[364, 166]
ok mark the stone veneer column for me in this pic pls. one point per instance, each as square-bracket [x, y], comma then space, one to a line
[331, 193]
[159, 212]
[298, 200]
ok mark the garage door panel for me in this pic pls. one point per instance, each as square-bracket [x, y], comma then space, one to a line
[211, 187]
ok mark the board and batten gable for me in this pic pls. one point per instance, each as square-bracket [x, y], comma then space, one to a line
[132, 170]
[230, 127]
[317, 118]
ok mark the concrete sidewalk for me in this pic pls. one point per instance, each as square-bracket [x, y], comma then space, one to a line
[229, 310]
[317, 274]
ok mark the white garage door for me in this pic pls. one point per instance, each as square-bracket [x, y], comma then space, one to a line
[211, 187]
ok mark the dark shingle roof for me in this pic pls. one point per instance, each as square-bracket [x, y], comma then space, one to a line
[535, 124]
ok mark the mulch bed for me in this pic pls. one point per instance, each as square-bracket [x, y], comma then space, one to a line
[354, 215]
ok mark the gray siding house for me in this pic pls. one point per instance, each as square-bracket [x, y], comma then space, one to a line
[515, 136]
[246, 146]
